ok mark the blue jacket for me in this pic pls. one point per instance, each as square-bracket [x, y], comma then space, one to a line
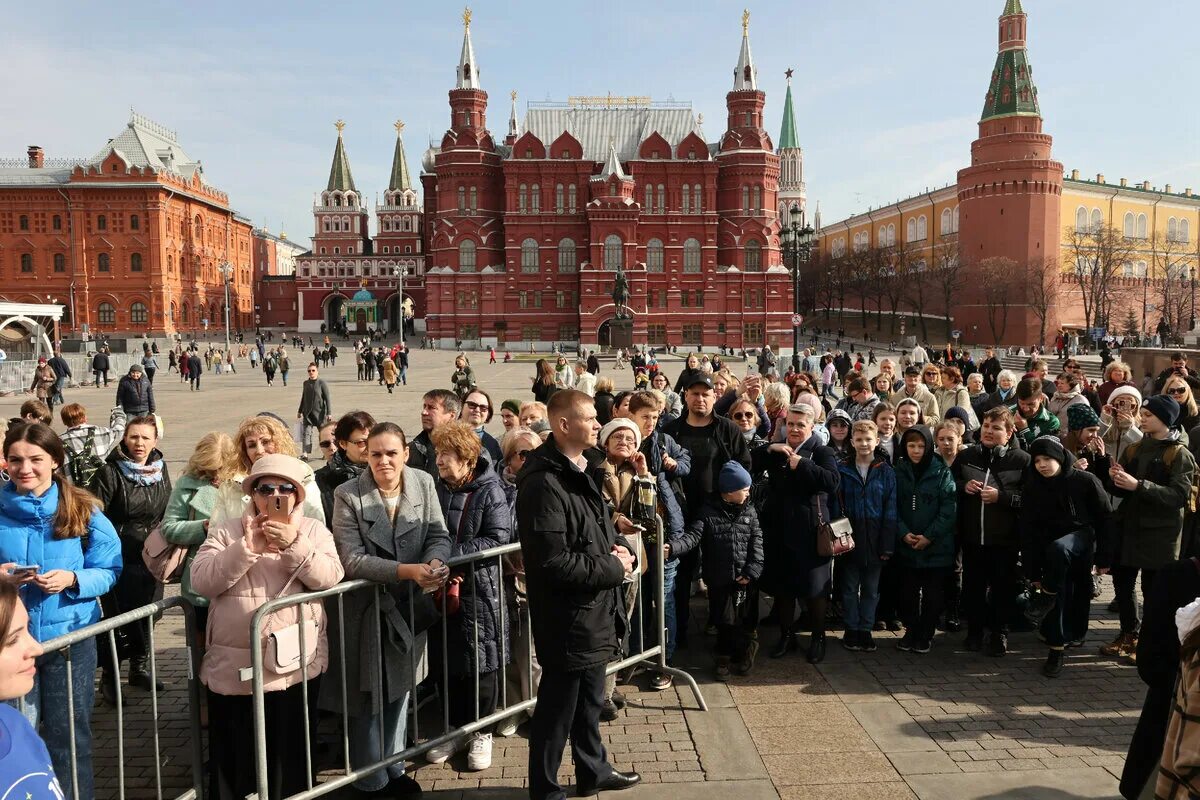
[27, 537]
[870, 506]
[654, 448]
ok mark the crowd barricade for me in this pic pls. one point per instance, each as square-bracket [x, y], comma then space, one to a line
[17, 376]
[651, 650]
[105, 634]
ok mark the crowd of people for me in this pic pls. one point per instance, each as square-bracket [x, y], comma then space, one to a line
[928, 498]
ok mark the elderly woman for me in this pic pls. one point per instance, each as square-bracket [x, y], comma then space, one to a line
[801, 476]
[672, 402]
[245, 562]
[976, 392]
[1005, 394]
[472, 498]
[389, 528]
[1117, 373]
[257, 437]
[1066, 394]
[349, 458]
[477, 411]
[134, 487]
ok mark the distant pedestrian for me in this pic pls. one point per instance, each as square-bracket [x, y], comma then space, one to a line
[100, 367]
[316, 408]
[195, 367]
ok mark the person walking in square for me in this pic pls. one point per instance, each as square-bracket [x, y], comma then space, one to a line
[316, 408]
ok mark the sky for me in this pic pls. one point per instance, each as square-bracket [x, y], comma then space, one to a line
[887, 93]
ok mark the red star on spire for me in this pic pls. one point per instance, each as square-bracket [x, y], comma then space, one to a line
[788, 73]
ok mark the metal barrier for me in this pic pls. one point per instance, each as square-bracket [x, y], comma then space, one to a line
[108, 628]
[17, 376]
[656, 655]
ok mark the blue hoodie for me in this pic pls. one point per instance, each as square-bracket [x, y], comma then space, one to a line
[27, 537]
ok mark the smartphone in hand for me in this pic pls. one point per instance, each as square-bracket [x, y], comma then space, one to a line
[279, 509]
[24, 570]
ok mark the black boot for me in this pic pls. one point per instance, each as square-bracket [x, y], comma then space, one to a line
[786, 644]
[1054, 663]
[139, 674]
[108, 685]
[816, 648]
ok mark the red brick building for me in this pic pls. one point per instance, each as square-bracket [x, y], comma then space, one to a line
[132, 240]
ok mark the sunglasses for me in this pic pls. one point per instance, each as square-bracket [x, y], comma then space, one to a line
[268, 489]
[524, 453]
[325, 445]
[476, 406]
[1177, 390]
[745, 415]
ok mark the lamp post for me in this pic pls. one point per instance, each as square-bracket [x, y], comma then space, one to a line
[1192, 320]
[797, 243]
[226, 270]
[398, 271]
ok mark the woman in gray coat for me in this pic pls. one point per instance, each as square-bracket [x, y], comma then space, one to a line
[389, 528]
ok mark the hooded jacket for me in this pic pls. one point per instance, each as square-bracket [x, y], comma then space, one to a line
[981, 523]
[926, 505]
[567, 536]
[925, 399]
[870, 505]
[1150, 519]
[1073, 501]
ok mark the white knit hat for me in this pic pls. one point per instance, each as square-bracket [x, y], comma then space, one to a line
[1123, 390]
[615, 424]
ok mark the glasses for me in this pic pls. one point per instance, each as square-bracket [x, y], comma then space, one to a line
[357, 442]
[622, 438]
[325, 445]
[524, 453]
[268, 489]
[1177, 390]
[312, 372]
[745, 415]
[476, 406]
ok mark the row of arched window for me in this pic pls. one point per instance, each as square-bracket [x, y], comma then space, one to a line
[613, 255]
[691, 199]
[752, 200]
[59, 260]
[106, 313]
[336, 225]
[399, 224]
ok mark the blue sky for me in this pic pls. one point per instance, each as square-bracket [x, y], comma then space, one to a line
[888, 93]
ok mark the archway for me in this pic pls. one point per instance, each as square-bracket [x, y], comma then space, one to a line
[614, 333]
[334, 312]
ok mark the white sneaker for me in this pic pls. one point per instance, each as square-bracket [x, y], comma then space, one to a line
[443, 752]
[509, 726]
[479, 757]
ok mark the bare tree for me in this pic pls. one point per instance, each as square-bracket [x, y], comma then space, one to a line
[859, 278]
[1174, 266]
[917, 288]
[1041, 280]
[892, 284]
[999, 276]
[947, 274]
[1099, 254]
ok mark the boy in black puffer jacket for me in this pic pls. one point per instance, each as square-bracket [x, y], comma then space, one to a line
[731, 542]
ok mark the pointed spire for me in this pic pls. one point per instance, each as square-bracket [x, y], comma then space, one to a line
[399, 180]
[340, 179]
[468, 71]
[514, 127]
[787, 134]
[1011, 91]
[817, 217]
[613, 165]
[745, 77]
[1012, 8]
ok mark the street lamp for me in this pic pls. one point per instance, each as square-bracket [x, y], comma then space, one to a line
[398, 271]
[226, 270]
[797, 243]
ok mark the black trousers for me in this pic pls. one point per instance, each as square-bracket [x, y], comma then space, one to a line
[1124, 579]
[688, 565]
[568, 703]
[989, 586]
[922, 595]
[462, 697]
[231, 767]
[134, 588]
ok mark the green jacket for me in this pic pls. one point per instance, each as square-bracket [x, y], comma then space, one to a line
[191, 503]
[1150, 518]
[926, 506]
[1043, 424]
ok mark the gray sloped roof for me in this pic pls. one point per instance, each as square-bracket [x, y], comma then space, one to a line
[145, 143]
[20, 176]
[626, 128]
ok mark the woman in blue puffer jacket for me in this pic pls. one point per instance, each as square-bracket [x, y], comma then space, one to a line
[73, 557]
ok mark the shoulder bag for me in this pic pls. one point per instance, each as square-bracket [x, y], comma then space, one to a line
[834, 538]
[283, 652]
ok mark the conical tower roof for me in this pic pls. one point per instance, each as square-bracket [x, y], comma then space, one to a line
[612, 166]
[745, 76]
[787, 134]
[468, 69]
[1012, 91]
[399, 179]
[340, 179]
[1012, 8]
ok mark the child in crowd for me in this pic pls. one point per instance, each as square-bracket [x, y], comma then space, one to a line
[925, 496]
[838, 425]
[908, 415]
[884, 418]
[949, 438]
[868, 499]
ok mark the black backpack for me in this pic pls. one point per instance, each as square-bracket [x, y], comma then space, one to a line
[85, 464]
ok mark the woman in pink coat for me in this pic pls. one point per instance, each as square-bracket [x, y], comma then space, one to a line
[244, 563]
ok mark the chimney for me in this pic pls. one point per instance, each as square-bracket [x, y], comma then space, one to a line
[37, 158]
[1099, 177]
[1074, 174]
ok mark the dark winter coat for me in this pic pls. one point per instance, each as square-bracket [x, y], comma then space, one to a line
[135, 397]
[1073, 501]
[463, 380]
[731, 542]
[990, 370]
[982, 523]
[542, 391]
[573, 579]
[654, 447]
[686, 377]
[710, 446]
[925, 500]
[870, 506]
[329, 477]
[1150, 518]
[604, 405]
[315, 405]
[100, 362]
[477, 517]
[422, 456]
[133, 509]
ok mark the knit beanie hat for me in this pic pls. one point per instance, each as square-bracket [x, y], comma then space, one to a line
[1080, 416]
[512, 405]
[732, 478]
[1163, 407]
[617, 424]
[1125, 390]
[959, 413]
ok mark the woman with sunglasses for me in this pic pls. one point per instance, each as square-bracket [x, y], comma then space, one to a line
[477, 411]
[247, 561]
[1119, 422]
[349, 440]
[672, 402]
[257, 437]
[1179, 390]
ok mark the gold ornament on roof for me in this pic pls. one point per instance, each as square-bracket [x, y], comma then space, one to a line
[467, 17]
[340, 125]
[514, 95]
[399, 126]
[745, 21]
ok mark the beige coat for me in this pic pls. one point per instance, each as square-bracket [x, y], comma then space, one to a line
[238, 581]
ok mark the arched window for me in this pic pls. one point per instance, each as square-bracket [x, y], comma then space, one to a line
[387, 224]
[101, 223]
[1172, 229]
[922, 228]
[757, 194]
[956, 219]
[1081, 219]
[947, 222]
[891, 235]
[60, 262]
[571, 198]
[135, 262]
[1184, 233]
[612, 251]
[138, 314]
[103, 263]
[26, 262]
[559, 198]
[1097, 219]
[462, 198]
[1141, 226]
[185, 312]
[746, 200]
[134, 223]
[685, 202]
[882, 240]
[23, 222]
[911, 232]
[662, 200]
[529, 255]
[535, 197]
[567, 258]
[327, 226]
[753, 256]
[474, 200]
[522, 198]
[691, 256]
[654, 255]
[697, 204]
[1130, 222]
[649, 199]
[466, 256]
[106, 314]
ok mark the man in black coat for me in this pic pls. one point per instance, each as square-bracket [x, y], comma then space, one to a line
[575, 564]
[990, 369]
[195, 367]
[438, 407]
[593, 363]
[100, 366]
[135, 394]
[316, 407]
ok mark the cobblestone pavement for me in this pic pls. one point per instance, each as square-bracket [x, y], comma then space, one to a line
[887, 724]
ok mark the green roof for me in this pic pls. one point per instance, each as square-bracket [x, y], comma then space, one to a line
[1012, 7]
[340, 179]
[400, 179]
[787, 136]
[1011, 92]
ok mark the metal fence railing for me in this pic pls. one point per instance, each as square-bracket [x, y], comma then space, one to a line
[17, 376]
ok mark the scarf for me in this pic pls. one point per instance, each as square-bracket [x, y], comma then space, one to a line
[146, 474]
[342, 464]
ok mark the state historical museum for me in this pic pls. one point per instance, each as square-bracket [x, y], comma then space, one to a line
[519, 243]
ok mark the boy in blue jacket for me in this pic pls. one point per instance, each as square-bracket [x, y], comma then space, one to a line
[868, 499]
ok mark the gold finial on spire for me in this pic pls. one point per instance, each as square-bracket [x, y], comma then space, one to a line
[514, 95]
[467, 17]
[699, 119]
[340, 125]
[745, 21]
[399, 126]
